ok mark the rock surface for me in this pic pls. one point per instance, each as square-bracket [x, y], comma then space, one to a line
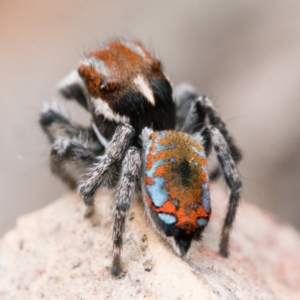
[54, 253]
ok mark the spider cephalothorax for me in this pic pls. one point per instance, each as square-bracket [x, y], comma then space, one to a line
[138, 142]
[123, 83]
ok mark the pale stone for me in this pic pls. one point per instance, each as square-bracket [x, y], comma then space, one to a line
[55, 253]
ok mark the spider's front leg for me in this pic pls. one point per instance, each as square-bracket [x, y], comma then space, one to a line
[113, 156]
[131, 161]
[125, 192]
[74, 148]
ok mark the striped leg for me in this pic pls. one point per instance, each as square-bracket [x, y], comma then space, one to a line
[188, 118]
[125, 193]
[194, 112]
[203, 103]
[74, 148]
[114, 154]
[233, 181]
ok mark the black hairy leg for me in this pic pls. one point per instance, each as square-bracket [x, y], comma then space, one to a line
[105, 164]
[206, 126]
[124, 195]
[214, 119]
[194, 112]
[74, 148]
[188, 118]
[233, 181]
[204, 104]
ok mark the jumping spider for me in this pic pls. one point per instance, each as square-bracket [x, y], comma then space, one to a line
[142, 140]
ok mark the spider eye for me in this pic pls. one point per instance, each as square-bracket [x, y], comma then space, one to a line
[108, 87]
[103, 89]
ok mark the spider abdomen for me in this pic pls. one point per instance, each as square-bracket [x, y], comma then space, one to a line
[176, 186]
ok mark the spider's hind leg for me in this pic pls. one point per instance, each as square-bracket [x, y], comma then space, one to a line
[188, 118]
[213, 132]
[204, 104]
[232, 179]
[194, 112]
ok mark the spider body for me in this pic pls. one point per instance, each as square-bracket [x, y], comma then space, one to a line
[123, 83]
[176, 190]
[141, 139]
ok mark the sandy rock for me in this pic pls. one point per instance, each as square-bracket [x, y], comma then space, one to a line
[54, 253]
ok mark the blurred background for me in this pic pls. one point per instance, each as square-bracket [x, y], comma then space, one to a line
[244, 54]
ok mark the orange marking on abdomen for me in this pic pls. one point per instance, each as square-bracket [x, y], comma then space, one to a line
[148, 180]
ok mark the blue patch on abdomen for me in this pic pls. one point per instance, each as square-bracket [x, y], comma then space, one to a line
[157, 191]
[167, 218]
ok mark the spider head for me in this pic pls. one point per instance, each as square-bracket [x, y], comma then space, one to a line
[123, 83]
[176, 192]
